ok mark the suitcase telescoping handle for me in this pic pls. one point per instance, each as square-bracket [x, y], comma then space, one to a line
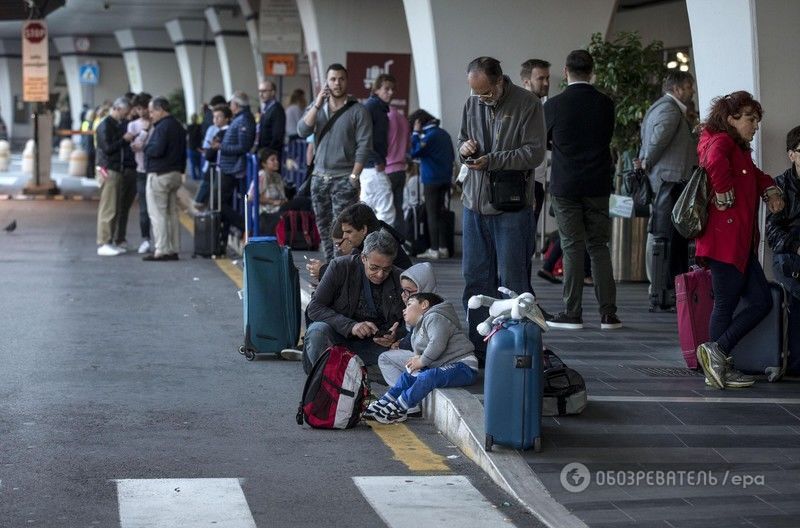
[214, 182]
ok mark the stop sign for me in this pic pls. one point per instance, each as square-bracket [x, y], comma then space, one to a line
[35, 32]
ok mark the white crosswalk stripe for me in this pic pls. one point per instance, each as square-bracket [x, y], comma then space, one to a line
[444, 501]
[183, 503]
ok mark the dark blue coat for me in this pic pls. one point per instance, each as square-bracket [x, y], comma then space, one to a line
[379, 112]
[237, 142]
[434, 148]
[165, 151]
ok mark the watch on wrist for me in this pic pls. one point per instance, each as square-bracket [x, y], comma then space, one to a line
[354, 176]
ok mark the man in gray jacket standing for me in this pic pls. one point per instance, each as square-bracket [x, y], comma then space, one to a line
[668, 153]
[340, 150]
[502, 137]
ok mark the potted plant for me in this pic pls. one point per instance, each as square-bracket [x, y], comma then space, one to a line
[632, 75]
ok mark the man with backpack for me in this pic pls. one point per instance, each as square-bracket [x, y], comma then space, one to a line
[342, 130]
[357, 303]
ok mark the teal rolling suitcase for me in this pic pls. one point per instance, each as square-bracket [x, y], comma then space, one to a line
[271, 298]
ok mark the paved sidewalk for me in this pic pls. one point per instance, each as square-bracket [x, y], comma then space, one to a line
[648, 418]
[14, 180]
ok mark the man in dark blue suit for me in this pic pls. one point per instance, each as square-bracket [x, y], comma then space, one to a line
[580, 123]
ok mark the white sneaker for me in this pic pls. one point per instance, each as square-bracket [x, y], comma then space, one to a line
[107, 250]
[430, 254]
[292, 354]
[122, 248]
[444, 253]
[144, 247]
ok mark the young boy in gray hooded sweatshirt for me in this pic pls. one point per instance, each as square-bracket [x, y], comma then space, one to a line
[443, 357]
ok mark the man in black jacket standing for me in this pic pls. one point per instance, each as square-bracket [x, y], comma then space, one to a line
[165, 161]
[272, 122]
[580, 123]
[113, 147]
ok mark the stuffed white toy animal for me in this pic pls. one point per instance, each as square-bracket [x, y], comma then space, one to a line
[517, 307]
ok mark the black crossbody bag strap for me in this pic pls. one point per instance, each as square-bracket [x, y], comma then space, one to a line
[329, 125]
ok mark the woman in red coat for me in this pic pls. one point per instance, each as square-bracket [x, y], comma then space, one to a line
[730, 238]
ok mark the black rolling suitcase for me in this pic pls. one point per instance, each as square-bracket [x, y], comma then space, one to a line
[765, 349]
[417, 240]
[660, 291]
[208, 236]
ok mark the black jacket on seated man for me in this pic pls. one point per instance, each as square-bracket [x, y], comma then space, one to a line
[783, 229]
[166, 149]
[113, 152]
[340, 297]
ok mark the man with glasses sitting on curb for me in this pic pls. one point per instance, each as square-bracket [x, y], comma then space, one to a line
[357, 303]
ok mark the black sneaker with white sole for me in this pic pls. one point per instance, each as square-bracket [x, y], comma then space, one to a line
[610, 322]
[566, 322]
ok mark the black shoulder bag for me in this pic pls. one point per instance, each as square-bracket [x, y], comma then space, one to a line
[305, 188]
[507, 188]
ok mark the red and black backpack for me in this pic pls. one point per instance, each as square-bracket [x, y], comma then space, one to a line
[336, 391]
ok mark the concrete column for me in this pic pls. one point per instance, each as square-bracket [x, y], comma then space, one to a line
[741, 45]
[250, 14]
[198, 63]
[113, 78]
[10, 81]
[150, 60]
[378, 30]
[443, 39]
[234, 50]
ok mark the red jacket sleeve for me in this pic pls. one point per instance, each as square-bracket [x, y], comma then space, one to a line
[763, 181]
[717, 161]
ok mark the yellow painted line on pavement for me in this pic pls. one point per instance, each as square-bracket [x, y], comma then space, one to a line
[230, 269]
[408, 448]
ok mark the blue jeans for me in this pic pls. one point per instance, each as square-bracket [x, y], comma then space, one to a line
[204, 189]
[730, 286]
[319, 336]
[497, 252]
[195, 163]
[144, 218]
[413, 389]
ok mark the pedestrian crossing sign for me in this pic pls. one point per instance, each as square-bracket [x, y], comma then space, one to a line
[90, 73]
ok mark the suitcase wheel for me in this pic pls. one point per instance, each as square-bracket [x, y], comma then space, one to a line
[489, 442]
[249, 355]
[537, 444]
[242, 350]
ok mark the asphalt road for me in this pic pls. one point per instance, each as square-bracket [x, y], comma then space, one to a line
[115, 369]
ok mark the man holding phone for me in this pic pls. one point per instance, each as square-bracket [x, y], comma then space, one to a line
[502, 140]
[342, 130]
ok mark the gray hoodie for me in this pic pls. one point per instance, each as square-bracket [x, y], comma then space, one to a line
[439, 339]
[348, 141]
[422, 275]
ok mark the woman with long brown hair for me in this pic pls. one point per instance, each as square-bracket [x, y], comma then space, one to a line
[728, 243]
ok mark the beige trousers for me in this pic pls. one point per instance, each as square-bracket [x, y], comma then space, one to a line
[162, 207]
[107, 209]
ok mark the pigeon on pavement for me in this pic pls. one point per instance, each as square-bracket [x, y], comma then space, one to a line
[11, 227]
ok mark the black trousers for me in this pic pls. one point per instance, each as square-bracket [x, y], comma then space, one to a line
[230, 217]
[434, 210]
[660, 226]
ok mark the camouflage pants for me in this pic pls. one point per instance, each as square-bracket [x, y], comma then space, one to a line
[329, 196]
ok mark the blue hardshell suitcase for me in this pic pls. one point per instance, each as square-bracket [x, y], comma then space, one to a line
[513, 386]
[271, 298]
[764, 350]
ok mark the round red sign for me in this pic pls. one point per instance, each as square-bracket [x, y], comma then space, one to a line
[35, 32]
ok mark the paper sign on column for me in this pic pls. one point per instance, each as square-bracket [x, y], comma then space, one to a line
[35, 62]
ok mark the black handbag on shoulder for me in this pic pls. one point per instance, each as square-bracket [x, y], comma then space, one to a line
[508, 189]
[636, 184]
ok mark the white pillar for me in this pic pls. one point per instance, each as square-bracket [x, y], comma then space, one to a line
[197, 61]
[113, 80]
[741, 45]
[149, 60]
[250, 13]
[374, 31]
[234, 50]
[10, 81]
[445, 37]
